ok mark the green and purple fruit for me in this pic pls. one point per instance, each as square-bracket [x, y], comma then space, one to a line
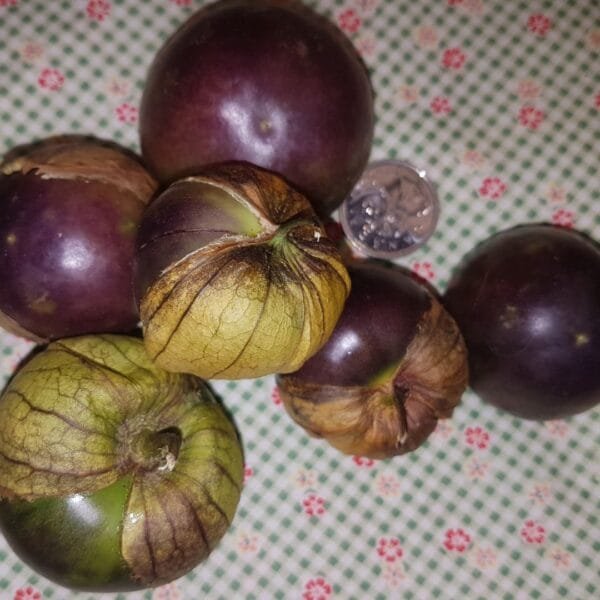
[236, 276]
[394, 364]
[114, 475]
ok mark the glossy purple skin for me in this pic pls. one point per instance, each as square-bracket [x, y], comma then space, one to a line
[66, 255]
[373, 333]
[176, 223]
[527, 301]
[278, 87]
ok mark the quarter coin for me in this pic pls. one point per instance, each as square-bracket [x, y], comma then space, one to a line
[392, 210]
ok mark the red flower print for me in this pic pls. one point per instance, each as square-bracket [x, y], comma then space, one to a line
[475, 7]
[317, 589]
[248, 472]
[98, 10]
[31, 52]
[564, 218]
[457, 540]
[361, 461]
[472, 159]
[539, 24]
[276, 397]
[477, 437]
[492, 187]
[349, 21]
[8, 3]
[454, 2]
[441, 105]
[423, 270]
[531, 117]
[313, 505]
[408, 93]
[366, 6]
[170, 591]
[528, 89]
[426, 36]
[597, 101]
[475, 468]
[127, 113]
[484, 557]
[393, 574]
[540, 493]
[389, 549]
[557, 428]
[51, 79]
[366, 46]
[443, 429]
[303, 478]
[453, 58]
[27, 593]
[532, 532]
[182, 2]
[248, 542]
[387, 485]
[560, 557]
[556, 193]
[117, 87]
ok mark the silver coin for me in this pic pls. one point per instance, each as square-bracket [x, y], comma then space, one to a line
[392, 210]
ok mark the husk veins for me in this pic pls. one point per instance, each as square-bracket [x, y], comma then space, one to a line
[392, 416]
[245, 306]
[87, 412]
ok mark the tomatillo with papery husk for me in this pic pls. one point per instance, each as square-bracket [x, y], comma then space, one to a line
[114, 474]
[70, 207]
[395, 364]
[236, 276]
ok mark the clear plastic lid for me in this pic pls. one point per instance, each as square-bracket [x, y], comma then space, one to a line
[392, 210]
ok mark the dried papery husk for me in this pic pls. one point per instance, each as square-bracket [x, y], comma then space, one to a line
[395, 413]
[82, 158]
[255, 289]
[89, 426]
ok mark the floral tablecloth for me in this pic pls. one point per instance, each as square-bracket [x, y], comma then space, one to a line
[500, 103]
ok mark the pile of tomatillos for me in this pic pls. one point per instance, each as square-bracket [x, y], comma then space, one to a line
[141, 278]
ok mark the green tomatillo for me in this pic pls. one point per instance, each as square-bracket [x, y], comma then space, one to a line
[114, 474]
[236, 276]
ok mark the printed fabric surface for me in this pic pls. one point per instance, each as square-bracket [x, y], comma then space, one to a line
[500, 103]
